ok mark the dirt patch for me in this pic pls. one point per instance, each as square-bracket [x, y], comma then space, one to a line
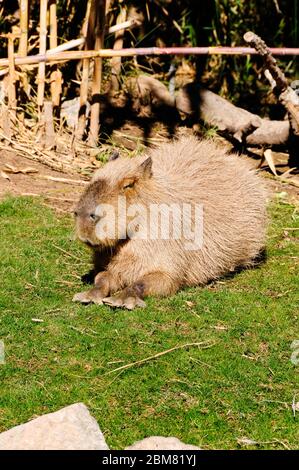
[59, 195]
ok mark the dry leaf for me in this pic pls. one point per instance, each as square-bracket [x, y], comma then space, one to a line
[269, 157]
[4, 175]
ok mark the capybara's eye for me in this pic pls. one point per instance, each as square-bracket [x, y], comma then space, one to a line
[130, 185]
[92, 217]
[75, 213]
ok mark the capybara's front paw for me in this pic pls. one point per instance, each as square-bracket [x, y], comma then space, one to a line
[90, 296]
[126, 298]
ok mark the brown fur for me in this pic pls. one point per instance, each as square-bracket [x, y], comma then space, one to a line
[184, 171]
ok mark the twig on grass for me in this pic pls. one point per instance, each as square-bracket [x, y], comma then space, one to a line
[82, 332]
[66, 252]
[202, 344]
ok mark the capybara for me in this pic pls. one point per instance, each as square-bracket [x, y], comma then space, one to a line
[133, 211]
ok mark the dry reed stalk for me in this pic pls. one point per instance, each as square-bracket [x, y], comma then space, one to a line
[98, 9]
[118, 44]
[42, 51]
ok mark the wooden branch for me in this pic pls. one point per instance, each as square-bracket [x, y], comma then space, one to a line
[42, 51]
[287, 96]
[269, 61]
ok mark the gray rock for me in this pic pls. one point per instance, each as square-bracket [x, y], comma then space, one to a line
[70, 111]
[161, 443]
[71, 428]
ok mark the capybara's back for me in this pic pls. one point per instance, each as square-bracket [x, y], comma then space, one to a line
[233, 200]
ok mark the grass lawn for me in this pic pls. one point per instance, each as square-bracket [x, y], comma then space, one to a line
[242, 385]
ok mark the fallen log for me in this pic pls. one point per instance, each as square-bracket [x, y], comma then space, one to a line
[148, 94]
[238, 123]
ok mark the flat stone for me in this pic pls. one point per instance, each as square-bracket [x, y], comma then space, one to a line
[71, 428]
[161, 443]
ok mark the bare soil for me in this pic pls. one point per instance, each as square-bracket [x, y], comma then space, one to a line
[59, 195]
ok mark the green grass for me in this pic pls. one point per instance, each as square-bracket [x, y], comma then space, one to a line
[242, 386]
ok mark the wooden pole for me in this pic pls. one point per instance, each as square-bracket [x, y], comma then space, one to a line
[23, 42]
[86, 31]
[53, 24]
[24, 8]
[99, 11]
[49, 125]
[56, 76]
[12, 100]
[42, 51]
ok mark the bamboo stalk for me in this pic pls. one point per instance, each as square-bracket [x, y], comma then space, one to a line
[123, 25]
[56, 78]
[53, 24]
[118, 44]
[100, 12]
[49, 125]
[24, 8]
[143, 51]
[67, 45]
[85, 76]
[12, 100]
[42, 51]
[5, 121]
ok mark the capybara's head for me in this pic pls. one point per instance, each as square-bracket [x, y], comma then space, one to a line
[101, 218]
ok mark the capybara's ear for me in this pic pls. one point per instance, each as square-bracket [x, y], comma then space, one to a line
[145, 169]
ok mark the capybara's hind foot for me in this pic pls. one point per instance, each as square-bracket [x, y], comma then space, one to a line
[126, 298]
[94, 296]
